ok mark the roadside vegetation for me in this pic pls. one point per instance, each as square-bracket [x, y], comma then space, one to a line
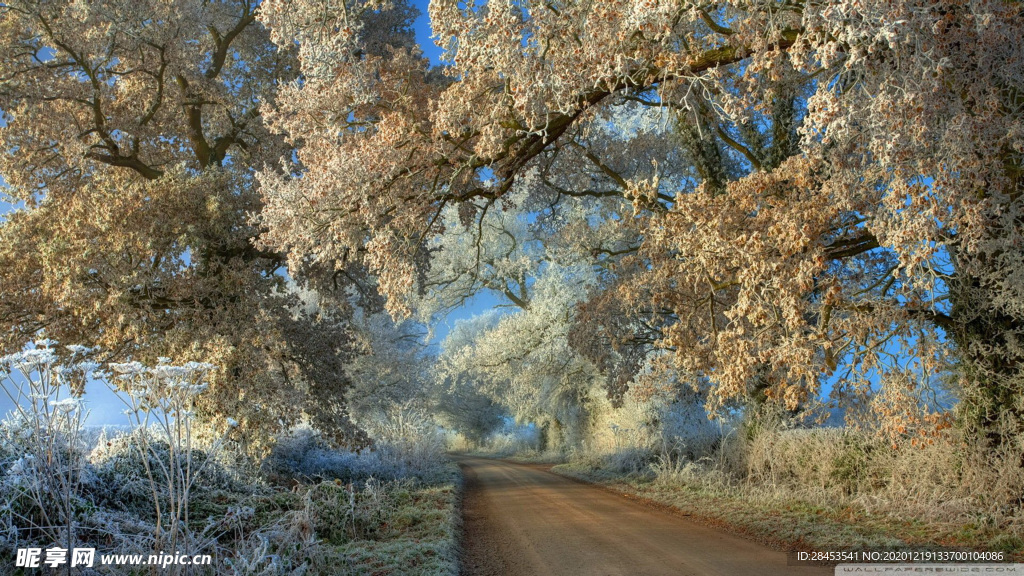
[165, 483]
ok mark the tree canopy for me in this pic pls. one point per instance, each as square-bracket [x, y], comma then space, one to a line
[134, 132]
[752, 195]
[829, 180]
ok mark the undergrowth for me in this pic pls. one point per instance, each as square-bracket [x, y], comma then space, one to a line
[159, 486]
[828, 488]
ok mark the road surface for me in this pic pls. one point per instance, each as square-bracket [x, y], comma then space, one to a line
[523, 520]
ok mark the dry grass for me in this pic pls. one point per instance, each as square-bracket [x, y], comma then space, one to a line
[308, 510]
[830, 489]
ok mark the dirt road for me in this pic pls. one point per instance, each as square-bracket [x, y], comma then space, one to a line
[522, 519]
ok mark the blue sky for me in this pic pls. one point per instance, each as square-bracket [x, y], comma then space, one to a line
[423, 32]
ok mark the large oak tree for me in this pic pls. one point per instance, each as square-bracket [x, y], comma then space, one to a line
[838, 178]
[133, 132]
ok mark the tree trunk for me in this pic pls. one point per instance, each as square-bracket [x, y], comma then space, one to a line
[989, 344]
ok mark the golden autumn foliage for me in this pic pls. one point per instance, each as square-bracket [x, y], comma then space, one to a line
[773, 193]
[832, 184]
[132, 134]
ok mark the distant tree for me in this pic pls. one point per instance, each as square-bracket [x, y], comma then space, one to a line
[464, 405]
[536, 257]
[523, 362]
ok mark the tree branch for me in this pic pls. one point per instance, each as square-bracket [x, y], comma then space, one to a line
[145, 170]
[221, 44]
[848, 247]
[194, 122]
[521, 149]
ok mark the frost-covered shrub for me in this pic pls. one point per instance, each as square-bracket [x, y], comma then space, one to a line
[684, 427]
[42, 460]
[820, 458]
[645, 430]
[408, 439]
[160, 485]
[335, 528]
[341, 512]
[130, 494]
[940, 477]
[406, 443]
[302, 453]
[160, 403]
[847, 463]
[121, 472]
[518, 440]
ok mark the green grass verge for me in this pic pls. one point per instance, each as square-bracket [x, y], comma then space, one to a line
[417, 536]
[409, 527]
